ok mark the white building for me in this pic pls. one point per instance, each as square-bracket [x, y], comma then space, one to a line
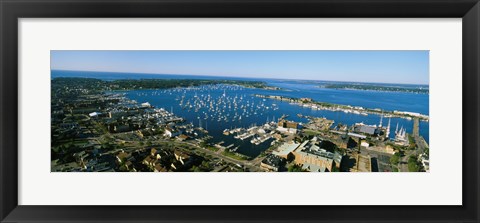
[146, 105]
[172, 132]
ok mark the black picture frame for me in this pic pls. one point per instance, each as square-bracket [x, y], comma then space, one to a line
[11, 11]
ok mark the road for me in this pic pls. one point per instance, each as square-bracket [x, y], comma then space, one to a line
[253, 165]
[419, 149]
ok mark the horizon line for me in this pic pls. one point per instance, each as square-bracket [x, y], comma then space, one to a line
[206, 75]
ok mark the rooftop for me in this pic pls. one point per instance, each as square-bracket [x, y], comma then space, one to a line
[286, 148]
[313, 168]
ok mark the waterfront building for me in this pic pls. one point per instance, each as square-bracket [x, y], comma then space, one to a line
[364, 144]
[272, 163]
[146, 105]
[292, 131]
[285, 149]
[172, 132]
[287, 124]
[315, 159]
[367, 129]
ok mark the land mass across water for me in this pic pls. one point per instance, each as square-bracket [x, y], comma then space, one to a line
[310, 103]
[142, 84]
[376, 87]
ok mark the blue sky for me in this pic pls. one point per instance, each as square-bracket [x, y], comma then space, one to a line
[410, 67]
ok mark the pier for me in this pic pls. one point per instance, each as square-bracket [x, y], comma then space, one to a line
[416, 127]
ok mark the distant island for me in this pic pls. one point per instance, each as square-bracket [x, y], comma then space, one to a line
[142, 84]
[316, 105]
[373, 87]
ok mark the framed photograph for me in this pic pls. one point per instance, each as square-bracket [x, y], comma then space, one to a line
[228, 111]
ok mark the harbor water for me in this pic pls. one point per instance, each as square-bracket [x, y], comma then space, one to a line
[220, 107]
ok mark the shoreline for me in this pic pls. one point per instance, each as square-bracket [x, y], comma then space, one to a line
[371, 90]
[310, 103]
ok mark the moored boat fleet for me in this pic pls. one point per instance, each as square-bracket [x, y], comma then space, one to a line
[232, 105]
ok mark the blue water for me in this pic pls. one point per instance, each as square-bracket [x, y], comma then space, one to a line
[170, 100]
[390, 101]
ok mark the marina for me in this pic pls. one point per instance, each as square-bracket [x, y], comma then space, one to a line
[231, 113]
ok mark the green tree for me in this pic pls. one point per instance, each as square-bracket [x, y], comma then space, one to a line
[295, 168]
[290, 157]
[395, 159]
[413, 164]
[196, 169]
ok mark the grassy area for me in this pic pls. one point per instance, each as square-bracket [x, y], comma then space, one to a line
[311, 132]
[212, 148]
[208, 146]
[234, 155]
